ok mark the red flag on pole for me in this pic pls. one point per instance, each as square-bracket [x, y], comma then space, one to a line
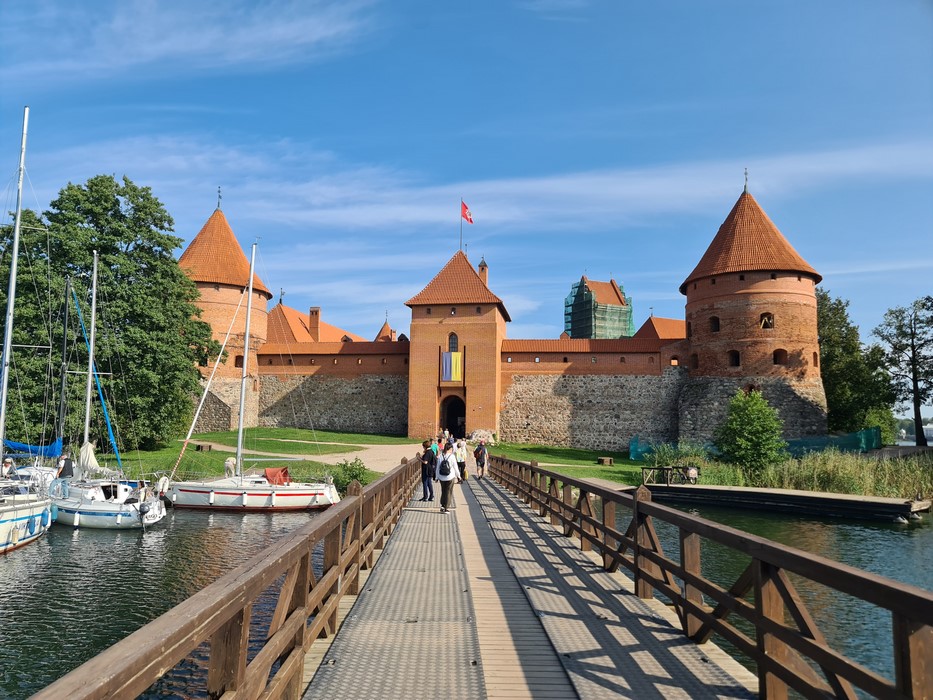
[465, 212]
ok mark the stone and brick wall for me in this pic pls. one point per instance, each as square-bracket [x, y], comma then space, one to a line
[591, 411]
[368, 403]
[704, 404]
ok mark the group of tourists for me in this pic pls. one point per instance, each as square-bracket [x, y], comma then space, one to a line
[444, 460]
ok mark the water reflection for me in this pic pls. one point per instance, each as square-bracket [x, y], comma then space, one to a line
[75, 592]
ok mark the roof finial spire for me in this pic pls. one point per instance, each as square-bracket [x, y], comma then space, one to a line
[746, 180]
[387, 315]
[281, 294]
[219, 197]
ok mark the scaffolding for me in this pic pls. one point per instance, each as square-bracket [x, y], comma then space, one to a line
[598, 310]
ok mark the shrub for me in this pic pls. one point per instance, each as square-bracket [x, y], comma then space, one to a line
[750, 437]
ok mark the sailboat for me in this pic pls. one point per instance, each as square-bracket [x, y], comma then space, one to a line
[271, 491]
[111, 502]
[25, 510]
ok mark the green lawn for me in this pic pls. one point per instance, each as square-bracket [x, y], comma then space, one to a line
[573, 462]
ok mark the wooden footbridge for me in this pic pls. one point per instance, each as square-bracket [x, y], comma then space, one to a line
[519, 592]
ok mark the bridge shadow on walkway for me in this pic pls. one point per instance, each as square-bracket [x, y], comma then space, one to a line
[492, 601]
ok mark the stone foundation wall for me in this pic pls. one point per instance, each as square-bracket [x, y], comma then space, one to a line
[704, 404]
[365, 404]
[222, 407]
[593, 412]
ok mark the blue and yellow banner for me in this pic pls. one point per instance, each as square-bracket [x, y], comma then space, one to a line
[452, 367]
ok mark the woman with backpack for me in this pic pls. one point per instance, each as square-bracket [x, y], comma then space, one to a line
[446, 472]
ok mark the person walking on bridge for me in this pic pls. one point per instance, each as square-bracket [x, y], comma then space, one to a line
[447, 472]
[427, 471]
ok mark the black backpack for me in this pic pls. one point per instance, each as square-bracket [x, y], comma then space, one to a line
[444, 467]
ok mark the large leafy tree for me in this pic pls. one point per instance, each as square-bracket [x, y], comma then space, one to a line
[858, 387]
[907, 335]
[751, 434]
[149, 338]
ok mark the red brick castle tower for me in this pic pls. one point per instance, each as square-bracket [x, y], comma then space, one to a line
[751, 323]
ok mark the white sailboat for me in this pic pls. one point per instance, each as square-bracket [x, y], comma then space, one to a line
[272, 491]
[25, 512]
[112, 502]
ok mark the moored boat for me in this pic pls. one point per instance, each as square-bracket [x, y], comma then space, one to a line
[271, 491]
[112, 504]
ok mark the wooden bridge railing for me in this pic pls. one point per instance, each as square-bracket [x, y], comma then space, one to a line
[220, 615]
[787, 646]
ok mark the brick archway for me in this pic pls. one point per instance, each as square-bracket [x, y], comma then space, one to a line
[453, 416]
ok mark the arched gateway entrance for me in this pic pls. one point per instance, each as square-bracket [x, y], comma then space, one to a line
[453, 416]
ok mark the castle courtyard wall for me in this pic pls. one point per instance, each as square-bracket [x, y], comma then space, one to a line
[366, 403]
[598, 411]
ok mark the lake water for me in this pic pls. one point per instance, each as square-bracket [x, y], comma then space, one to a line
[75, 592]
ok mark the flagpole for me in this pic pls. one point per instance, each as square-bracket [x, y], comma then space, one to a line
[461, 223]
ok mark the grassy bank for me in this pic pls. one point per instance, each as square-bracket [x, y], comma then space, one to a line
[573, 462]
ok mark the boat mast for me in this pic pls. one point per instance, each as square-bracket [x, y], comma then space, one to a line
[62, 402]
[90, 361]
[249, 308]
[11, 290]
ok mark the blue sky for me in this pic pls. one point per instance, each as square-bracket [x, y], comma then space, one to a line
[605, 138]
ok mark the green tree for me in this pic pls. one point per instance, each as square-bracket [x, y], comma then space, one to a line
[751, 434]
[150, 339]
[854, 377]
[907, 336]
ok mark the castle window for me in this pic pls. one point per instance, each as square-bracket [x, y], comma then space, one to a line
[452, 342]
[359, 360]
[479, 309]
[565, 359]
[508, 359]
[238, 361]
[651, 360]
[290, 361]
[694, 361]
[406, 361]
[774, 275]
[766, 320]
[780, 357]
[453, 310]
[427, 311]
[269, 361]
[593, 359]
[675, 361]
[312, 360]
[537, 359]
[799, 278]
[714, 324]
[741, 278]
[335, 360]
[735, 360]
[694, 285]
[712, 281]
[816, 359]
[622, 360]
[384, 361]
[216, 287]
[689, 329]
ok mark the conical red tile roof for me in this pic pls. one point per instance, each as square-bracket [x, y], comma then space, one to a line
[215, 256]
[384, 334]
[748, 241]
[457, 283]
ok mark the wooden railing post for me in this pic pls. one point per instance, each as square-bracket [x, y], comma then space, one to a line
[227, 665]
[355, 489]
[553, 501]
[609, 523]
[567, 503]
[913, 657]
[331, 560]
[586, 528]
[769, 605]
[530, 482]
[643, 588]
[690, 560]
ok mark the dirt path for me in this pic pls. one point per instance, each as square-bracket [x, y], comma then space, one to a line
[379, 458]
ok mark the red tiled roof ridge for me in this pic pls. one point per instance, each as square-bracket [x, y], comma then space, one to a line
[662, 328]
[605, 292]
[215, 256]
[748, 241]
[288, 325]
[457, 283]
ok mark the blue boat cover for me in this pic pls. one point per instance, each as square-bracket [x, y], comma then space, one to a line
[47, 451]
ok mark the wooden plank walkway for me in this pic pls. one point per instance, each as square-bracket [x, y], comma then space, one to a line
[490, 601]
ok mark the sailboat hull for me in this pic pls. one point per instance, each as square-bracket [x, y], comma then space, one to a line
[24, 518]
[251, 494]
[105, 505]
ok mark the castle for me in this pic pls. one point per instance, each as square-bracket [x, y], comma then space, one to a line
[750, 323]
